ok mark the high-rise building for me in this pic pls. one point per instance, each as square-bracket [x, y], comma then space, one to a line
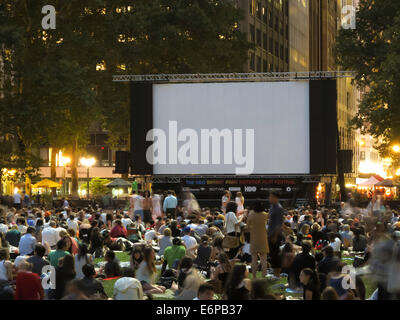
[266, 23]
[299, 37]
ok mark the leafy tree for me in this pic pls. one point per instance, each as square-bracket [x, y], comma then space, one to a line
[372, 50]
[58, 82]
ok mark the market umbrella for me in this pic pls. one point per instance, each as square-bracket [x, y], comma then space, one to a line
[372, 181]
[46, 183]
[118, 183]
[386, 183]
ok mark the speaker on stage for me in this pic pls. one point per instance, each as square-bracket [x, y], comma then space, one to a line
[346, 160]
[122, 159]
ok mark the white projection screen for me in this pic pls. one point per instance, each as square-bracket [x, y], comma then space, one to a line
[278, 112]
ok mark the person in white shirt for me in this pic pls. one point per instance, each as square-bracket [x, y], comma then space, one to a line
[232, 223]
[72, 223]
[127, 287]
[137, 202]
[335, 243]
[151, 235]
[126, 221]
[51, 235]
[3, 226]
[189, 241]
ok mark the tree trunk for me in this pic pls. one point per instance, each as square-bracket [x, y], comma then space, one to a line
[74, 170]
[53, 169]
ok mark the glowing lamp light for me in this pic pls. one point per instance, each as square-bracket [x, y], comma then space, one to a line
[396, 148]
[87, 162]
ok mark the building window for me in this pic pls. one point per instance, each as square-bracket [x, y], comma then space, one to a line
[252, 62]
[362, 155]
[271, 45]
[251, 7]
[265, 19]
[252, 35]
[276, 48]
[265, 66]
[258, 10]
[259, 37]
[265, 41]
[258, 64]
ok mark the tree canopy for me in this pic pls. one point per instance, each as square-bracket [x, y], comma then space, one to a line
[372, 50]
[56, 83]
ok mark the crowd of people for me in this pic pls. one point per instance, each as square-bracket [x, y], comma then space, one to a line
[185, 252]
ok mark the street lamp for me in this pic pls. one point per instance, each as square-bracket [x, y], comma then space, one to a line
[63, 162]
[88, 162]
[396, 148]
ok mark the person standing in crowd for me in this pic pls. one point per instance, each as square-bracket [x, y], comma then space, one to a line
[170, 204]
[156, 199]
[17, 200]
[275, 223]
[147, 207]
[232, 225]
[225, 200]
[240, 203]
[257, 225]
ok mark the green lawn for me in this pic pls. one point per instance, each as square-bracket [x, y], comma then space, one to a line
[123, 257]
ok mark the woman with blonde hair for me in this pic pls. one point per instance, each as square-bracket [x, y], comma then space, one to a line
[240, 203]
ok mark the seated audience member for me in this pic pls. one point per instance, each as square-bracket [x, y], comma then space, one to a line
[27, 242]
[310, 282]
[302, 261]
[205, 292]
[91, 286]
[111, 268]
[174, 254]
[6, 266]
[329, 262]
[61, 252]
[127, 287]
[37, 260]
[28, 284]
[118, 230]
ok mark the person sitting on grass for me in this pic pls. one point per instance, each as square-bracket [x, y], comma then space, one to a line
[127, 287]
[111, 268]
[91, 287]
[173, 254]
[147, 271]
[61, 252]
[206, 292]
[310, 282]
[28, 284]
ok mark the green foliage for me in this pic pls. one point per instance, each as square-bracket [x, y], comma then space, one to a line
[372, 50]
[97, 187]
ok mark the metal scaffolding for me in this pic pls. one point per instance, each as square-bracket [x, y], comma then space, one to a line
[235, 77]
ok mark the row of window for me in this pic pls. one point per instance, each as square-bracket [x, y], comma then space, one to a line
[261, 65]
[267, 43]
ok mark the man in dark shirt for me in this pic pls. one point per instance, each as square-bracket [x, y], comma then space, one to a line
[37, 259]
[329, 262]
[275, 222]
[301, 261]
[91, 286]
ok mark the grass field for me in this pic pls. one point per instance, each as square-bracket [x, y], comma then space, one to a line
[124, 257]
